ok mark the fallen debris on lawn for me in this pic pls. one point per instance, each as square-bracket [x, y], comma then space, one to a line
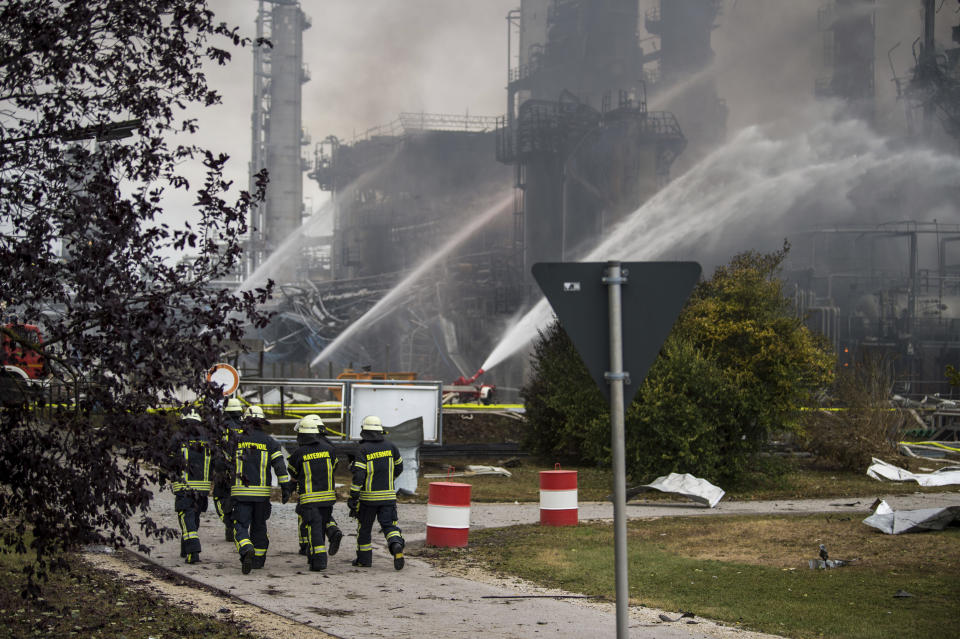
[945, 476]
[473, 471]
[892, 522]
[685, 485]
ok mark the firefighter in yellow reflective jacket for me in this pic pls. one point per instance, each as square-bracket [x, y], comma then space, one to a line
[232, 427]
[192, 484]
[311, 466]
[372, 493]
[255, 453]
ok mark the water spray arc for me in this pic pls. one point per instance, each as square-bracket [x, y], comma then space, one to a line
[289, 248]
[383, 307]
[757, 188]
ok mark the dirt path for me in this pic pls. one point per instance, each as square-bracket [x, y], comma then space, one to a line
[444, 601]
[140, 574]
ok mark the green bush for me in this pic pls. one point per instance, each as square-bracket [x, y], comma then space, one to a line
[564, 408]
[737, 368]
[685, 418]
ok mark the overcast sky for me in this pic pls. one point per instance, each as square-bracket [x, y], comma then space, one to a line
[370, 60]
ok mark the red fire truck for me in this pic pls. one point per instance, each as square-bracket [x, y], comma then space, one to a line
[23, 367]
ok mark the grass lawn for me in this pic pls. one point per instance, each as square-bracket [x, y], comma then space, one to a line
[748, 571]
[91, 603]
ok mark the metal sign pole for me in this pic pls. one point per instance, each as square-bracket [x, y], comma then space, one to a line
[572, 287]
[616, 377]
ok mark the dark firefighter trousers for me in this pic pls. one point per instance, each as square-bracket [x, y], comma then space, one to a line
[367, 513]
[250, 528]
[222, 503]
[316, 525]
[189, 504]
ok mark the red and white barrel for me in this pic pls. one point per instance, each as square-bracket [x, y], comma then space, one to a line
[558, 498]
[448, 514]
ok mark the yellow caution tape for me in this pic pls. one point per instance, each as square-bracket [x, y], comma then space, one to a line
[837, 410]
[485, 407]
[934, 444]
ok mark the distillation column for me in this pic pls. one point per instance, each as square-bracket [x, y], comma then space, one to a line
[278, 75]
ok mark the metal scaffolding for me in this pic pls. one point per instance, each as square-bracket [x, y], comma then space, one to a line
[877, 291]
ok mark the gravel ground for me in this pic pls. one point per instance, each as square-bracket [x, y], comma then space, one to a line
[425, 600]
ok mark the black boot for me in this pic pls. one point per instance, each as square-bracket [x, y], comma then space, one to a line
[303, 549]
[246, 561]
[183, 549]
[227, 532]
[396, 550]
[360, 564]
[318, 562]
[258, 562]
[335, 538]
[193, 558]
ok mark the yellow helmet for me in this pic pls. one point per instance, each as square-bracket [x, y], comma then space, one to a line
[309, 424]
[233, 406]
[253, 411]
[372, 423]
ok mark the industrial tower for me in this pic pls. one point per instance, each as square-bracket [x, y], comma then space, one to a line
[683, 30]
[848, 28]
[934, 88]
[278, 75]
[585, 149]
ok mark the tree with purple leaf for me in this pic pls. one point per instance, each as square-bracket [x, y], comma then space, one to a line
[94, 135]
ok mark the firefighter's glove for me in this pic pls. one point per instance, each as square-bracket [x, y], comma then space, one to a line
[286, 490]
[352, 506]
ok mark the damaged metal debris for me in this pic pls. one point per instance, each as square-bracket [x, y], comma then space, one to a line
[472, 470]
[895, 522]
[685, 485]
[946, 476]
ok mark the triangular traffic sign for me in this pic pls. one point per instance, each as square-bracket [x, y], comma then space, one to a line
[651, 299]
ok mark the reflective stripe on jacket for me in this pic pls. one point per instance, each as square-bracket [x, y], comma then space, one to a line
[376, 466]
[311, 467]
[255, 455]
[195, 459]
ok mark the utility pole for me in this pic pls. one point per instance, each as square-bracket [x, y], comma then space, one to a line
[616, 377]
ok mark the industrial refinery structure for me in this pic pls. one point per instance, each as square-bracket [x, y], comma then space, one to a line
[889, 292]
[278, 136]
[576, 150]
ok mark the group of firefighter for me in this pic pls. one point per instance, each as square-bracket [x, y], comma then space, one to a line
[238, 469]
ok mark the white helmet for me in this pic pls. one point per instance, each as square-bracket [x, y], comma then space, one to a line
[191, 414]
[233, 406]
[372, 423]
[253, 411]
[309, 424]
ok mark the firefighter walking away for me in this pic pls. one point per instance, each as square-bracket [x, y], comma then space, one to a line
[311, 467]
[192, 484]
[222, 480]
[372, 493]
[255, 454]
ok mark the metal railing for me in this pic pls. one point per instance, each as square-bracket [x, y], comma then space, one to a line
[416, 122]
